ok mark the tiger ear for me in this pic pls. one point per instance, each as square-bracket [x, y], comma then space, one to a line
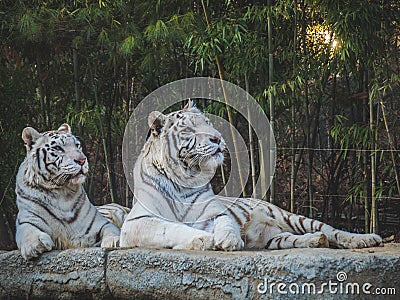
[30, 136]
[65, 128]
[156, 121]
[189, 104]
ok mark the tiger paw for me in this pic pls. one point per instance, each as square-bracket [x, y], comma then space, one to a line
[228, 241]
[111, 241]
[36, 244]
[318, 240]
[357, 241]
[203, 242]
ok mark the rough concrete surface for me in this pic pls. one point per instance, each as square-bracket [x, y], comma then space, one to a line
[96, 273]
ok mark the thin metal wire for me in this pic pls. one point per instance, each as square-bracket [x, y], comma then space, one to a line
[341, 149]
[346, 196]
[327, 149]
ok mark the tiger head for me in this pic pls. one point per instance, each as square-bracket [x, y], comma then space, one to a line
[186, 147]
[54, 158]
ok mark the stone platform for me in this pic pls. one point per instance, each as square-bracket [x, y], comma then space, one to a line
[96, 273]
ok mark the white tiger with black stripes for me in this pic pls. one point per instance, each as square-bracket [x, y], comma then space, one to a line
[178, 209]
[54, 211]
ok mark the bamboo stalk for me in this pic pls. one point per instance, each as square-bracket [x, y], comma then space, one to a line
[228, 109]
[93, 171]
[41, 93]
[104, 146]
[373, 167]
[365, 161]
[108, 170]
[391, 146]
[78, 102]
[308, 121]
[262, 170]
[251, 142]
[270, 96]
[293, 116]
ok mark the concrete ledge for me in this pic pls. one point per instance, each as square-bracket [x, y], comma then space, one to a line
[96, 273]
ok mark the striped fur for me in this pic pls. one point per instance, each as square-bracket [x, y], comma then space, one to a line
[114, 212]
[54, 211]
[176, 207]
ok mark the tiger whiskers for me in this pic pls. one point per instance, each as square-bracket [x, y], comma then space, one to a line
[194, 161]
[60, 179]
[199, 158]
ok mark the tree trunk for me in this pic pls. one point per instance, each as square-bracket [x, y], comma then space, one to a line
[270, 96]
[293, 118]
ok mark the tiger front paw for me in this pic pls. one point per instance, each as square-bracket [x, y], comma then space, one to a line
[35, 244]
[228, 241]
[318, 240]
[111, 241]
[202, 242]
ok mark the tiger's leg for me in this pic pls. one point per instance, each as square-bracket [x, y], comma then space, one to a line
[227, 234]
[32, 241]
[347, 240]
[110, 236]
[264, 232]
[337, 238]
[149, 231]
[287, 240]
[300, 225]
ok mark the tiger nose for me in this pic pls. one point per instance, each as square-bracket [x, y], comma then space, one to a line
[80, 161]
[216, 140]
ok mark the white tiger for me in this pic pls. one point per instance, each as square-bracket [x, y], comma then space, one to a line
[177, 208]
[54, 211]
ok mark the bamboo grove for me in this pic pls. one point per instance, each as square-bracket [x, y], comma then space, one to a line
[325, 72]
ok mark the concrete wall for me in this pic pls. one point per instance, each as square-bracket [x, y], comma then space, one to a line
[96, 273]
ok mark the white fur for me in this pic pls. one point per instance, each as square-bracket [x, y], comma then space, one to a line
[54, 210]
[164, 217]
